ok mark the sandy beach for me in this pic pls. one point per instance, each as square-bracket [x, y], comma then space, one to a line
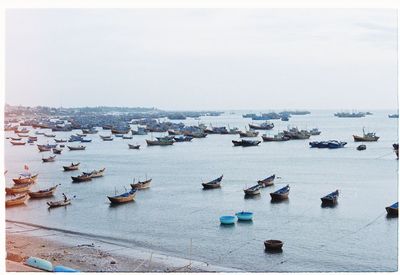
[88, 254]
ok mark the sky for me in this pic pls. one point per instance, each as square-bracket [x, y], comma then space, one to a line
[203, 59]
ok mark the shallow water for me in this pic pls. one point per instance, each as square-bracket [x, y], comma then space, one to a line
[355, 235]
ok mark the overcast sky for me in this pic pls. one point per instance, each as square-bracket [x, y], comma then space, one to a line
[181, 59]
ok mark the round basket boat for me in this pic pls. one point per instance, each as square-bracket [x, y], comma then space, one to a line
[227, 219]
[244, 216]
[273, 244]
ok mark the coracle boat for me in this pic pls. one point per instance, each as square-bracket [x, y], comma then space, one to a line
[76, 148]
[227, 220]
[252, 191]
[244, 216]
[330, 198]
[367, 137]
[72, 167]
[63, 202]
[25, 178]
[131, 146]
[49, 159]
[125, 197]
[44, 193]
[141, 184]
[20, 188]
[393, 210]
[273, 244]
[281, 194]
[17, 201]
[57, 151]
[267, 181]
[263, 126]
[162, 142]
[95, 173]
[213, 184]
[249, 133]
[82, 178]
[245, 143]
[17, 142]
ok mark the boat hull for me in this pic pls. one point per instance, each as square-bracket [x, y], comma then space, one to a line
[364, 139]
[17, 201]
[141, 185]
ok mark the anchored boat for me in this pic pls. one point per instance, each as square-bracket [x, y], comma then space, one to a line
[330, 198]
[17, 201]
[213, 184]
[281, 194]
[122, 198]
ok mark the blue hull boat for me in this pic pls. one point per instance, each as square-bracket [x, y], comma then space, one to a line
[330, 198]
[226, 220]
[244, 216]
[393, 210]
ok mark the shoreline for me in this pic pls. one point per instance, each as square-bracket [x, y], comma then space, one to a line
[90, 253]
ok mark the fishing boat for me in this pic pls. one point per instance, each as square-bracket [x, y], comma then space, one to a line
[25, 178]
[75, 138]
[122, 198]
[72, 167]
[227, 220]
[213, 184]
[315, 132]
[81, 135]
[43, 148]
[89, 131]
[32, 138]
[49, 159]
[57, 151]
[119, 135]
[49, 135]
[252, 191]
[159, 142]
[367, 137]
[393, 210]
[18, 188]
[139, 131]
[175, 132]
[22, 131]
[196, 134]
[393, 116]
[76, 148]
[267, 181]
[64, 202]
[278, 137]
[361, 147]
[263, 126]
[336, 144]
[17, 201]
[396, 149]
[106, 138]
[16, 138]
[131, 146]
[39, 133]
[330, 198]
[17, 142]
[244, 216]
[60, 140]
[86, 140]
[22, 135]
[281, 194]
[95, 173]
[245, 143]
[120, 131]
[249, 133]
[127, 137]
[273, 245]
[295, 133]
[141, 184]
[44, 193]
[82, 178]
[183, 138]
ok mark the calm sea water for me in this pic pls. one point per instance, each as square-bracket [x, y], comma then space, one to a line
[356, 235]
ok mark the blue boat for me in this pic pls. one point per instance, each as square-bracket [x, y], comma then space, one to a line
[393, 210]
[227, 219]
[281, 194]
[61, 268]
[336, 144]
[244, 216]
[74, 138]
[86, 140]
[330, 198]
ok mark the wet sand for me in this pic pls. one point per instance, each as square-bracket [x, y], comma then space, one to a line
[88, 254]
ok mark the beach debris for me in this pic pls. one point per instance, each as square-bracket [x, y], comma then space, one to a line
[14, 257]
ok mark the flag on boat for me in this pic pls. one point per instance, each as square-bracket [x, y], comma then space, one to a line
[26, 167]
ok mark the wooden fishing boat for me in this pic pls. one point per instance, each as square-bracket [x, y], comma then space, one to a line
[72, 167]
[127, 137]
[76, 148]
[53, 204]
[49, 135]
[273, 244]
[267, 181]
[330, 198]
[393, 210]
[123, 132]
[131, 146]
[22, 131]
[278, 137]
[49, 159]
[245, 143]
[25, 178]
[16, 138]
[263, 126]
[44, 148]
[22, 135]
[281, 194]
[122, 198]
[141, 184]
[106, 138]
[252, 191]
[95, 173]
[57, 151]
[163, 142]
[20, 188]
[44, 193]
[17, 201]
[60, 140]
[249, 133]
[17, 142]
[82, 178]
[367, 137]
[213, 184]
[32, 138]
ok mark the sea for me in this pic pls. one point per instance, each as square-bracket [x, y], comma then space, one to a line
[177, 217]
